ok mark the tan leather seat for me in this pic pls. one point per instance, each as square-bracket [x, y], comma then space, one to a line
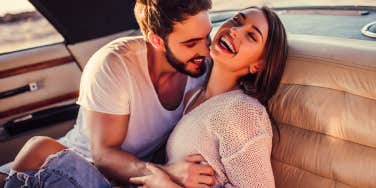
[326, 111]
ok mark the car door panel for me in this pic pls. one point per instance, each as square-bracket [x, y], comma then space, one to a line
[57, 76]
[54, 82]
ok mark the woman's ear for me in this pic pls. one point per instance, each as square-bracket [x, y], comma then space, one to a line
[256, 67]
[155, 40]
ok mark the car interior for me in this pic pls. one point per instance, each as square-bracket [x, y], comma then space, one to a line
[325, 107]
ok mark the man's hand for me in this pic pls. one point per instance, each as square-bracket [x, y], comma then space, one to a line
[157, 179]
[191, 172]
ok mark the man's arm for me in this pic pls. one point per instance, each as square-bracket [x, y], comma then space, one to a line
[107, 133]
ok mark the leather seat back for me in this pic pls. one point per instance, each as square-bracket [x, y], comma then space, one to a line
[325, 109]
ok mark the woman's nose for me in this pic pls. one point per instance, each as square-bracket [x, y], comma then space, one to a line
[234, 32]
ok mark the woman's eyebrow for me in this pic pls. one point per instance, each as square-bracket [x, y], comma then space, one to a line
[253, 26]
[242, 15]
[258, 30]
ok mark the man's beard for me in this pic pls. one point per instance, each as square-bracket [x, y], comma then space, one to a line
[181, 66]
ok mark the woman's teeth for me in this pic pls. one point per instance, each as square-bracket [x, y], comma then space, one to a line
[224, 42]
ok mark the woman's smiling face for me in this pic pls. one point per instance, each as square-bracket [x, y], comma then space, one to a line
[239, 42]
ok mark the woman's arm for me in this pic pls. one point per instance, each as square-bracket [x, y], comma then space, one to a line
[245, 141]
[251, 166]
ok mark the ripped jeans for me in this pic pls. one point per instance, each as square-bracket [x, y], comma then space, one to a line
[65, 169]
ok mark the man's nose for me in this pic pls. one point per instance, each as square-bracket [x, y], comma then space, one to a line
[204, 47]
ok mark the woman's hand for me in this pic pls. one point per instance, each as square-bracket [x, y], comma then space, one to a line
[193, 172]
[156, 179]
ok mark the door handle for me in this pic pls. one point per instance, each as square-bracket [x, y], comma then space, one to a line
[33, 86]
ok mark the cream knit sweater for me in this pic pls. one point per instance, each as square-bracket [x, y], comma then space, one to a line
[232, 131]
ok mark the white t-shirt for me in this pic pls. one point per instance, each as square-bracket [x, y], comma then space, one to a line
[116, 81]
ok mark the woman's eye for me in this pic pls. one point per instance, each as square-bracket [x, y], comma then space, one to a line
[252, 36]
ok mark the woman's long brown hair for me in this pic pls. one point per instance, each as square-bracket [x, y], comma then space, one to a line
[264, 84]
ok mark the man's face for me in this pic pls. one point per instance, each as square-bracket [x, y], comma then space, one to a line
[188, 45]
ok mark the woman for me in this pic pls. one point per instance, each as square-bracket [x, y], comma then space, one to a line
[226, 121]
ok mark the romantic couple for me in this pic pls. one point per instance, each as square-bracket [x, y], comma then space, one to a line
[137, 92]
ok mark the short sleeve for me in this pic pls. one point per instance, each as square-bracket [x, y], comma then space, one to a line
[105, 85]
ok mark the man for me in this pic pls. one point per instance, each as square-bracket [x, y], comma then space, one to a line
[131, 96]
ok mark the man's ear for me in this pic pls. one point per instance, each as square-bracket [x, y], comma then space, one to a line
[155, 40]
[256, 67]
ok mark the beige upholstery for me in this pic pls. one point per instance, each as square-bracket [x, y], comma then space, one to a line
[84, 50]
[326, 111]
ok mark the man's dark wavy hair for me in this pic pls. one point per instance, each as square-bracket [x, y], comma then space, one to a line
[159, 16]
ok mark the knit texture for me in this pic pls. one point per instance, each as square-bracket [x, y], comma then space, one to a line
[232, 131]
